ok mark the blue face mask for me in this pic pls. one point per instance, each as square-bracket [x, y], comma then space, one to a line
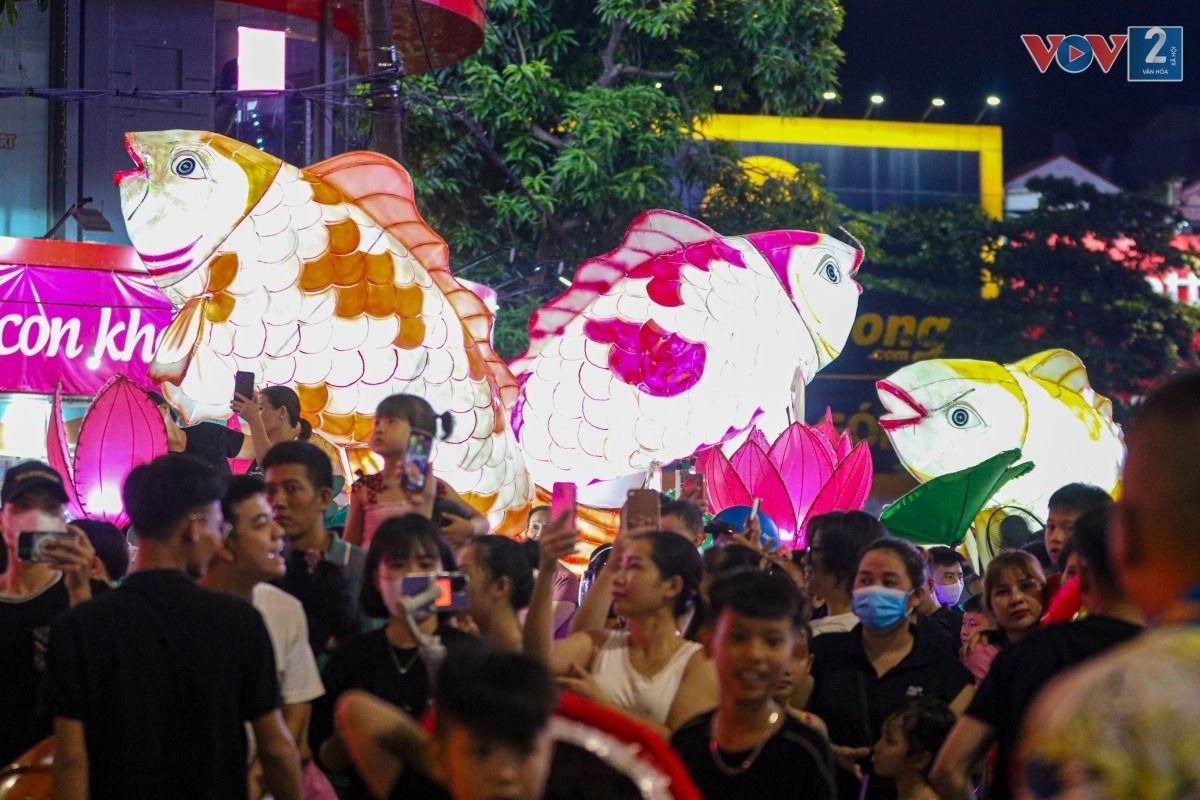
[879, 608]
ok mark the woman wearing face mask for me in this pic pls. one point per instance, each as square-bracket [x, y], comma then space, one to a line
[389, 662]
[861, 675]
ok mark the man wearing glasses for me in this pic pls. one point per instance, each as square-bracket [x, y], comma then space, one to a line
[150, 684]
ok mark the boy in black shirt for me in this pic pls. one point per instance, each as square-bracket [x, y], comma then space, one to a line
[750, 746]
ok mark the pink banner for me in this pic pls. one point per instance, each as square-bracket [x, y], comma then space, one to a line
[77, 326]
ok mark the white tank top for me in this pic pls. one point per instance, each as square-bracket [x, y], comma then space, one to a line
[647, 697]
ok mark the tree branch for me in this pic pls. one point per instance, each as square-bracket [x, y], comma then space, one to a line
[627, 69]
[543, 135]
[612, 70]
[481, 138]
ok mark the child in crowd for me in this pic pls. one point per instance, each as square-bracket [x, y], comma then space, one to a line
[979, 639]
[377, 497]
[750, 746]
[796, 684]
[912, 735]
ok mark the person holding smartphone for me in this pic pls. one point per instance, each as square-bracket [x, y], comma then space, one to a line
[405, 429]
[32, 593]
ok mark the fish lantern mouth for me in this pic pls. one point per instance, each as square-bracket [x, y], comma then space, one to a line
[137, 172]
[903, 410]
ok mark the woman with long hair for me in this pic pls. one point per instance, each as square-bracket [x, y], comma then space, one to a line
[649, 669]
[500, 582]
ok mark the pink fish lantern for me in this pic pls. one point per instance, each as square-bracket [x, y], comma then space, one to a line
[121, 429]
[808, 470]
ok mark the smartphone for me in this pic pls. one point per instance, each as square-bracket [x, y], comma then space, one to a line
[416, 461]
[754, 506]
[243, 384]
[642, 511]
[31, 545]
[562, 501]
[454, 596]
[694, 482]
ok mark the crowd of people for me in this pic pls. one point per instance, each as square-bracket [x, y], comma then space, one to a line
[249, 650]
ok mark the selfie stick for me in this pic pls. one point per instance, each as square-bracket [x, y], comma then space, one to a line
[432, 651]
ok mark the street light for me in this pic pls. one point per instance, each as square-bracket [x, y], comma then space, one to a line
[936, 102]
[876, 100]
[825, 97]
[992, 101]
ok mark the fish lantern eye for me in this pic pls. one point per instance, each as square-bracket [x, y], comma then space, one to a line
[962, 417]
[187, 166]
[829, 270]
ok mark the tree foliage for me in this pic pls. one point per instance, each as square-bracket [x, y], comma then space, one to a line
[1070, 274]
[575, 117]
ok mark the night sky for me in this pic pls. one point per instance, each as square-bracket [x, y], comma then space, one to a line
[910, 51]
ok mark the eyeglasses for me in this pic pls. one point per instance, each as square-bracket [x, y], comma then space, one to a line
[223, 528]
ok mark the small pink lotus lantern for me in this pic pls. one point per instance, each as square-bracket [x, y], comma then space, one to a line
[121, 429]
[808, 470]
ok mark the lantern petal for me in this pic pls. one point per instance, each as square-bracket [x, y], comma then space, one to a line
[804, 460]
[722, 486]
[826, 427]
[121, 429]
[848, 487]
[763, 481]
[58, 454]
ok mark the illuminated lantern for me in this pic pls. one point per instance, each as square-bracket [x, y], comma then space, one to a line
[679, 339]
[945, 415]
[808, 470]
[325, 279]
[121, 429]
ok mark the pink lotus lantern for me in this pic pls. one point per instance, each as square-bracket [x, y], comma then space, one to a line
[121, 429]
[808, 470]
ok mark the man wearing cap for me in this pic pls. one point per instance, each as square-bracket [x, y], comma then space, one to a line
[32, 594]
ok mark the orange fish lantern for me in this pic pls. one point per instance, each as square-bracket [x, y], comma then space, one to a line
[326, 279]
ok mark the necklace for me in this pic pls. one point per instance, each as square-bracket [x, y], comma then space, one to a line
[396, 662]
[750, 758]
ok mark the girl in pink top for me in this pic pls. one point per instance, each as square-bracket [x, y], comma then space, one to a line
[377, 497]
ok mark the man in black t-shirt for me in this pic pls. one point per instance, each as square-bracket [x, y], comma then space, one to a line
[32, 594]
[750, 746]
[1021, 670]
[150, 685]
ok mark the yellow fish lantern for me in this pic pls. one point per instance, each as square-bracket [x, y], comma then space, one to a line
[325, 279]
[945, 415]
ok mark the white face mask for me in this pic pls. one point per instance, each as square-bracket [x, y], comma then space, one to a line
[948, 594]
[392, 593]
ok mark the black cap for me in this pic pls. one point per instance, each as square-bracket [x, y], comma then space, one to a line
[720, 527]
[31, 475]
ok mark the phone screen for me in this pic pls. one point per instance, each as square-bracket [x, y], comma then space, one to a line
[416, 461]
[453, 586]
[642, 511]
[243, 384]
[562, 501]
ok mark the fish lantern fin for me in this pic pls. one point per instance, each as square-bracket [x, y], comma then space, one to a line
[384, 190]
[179, 342]
[1064, 368]
[651, 234]
[1060, 367]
